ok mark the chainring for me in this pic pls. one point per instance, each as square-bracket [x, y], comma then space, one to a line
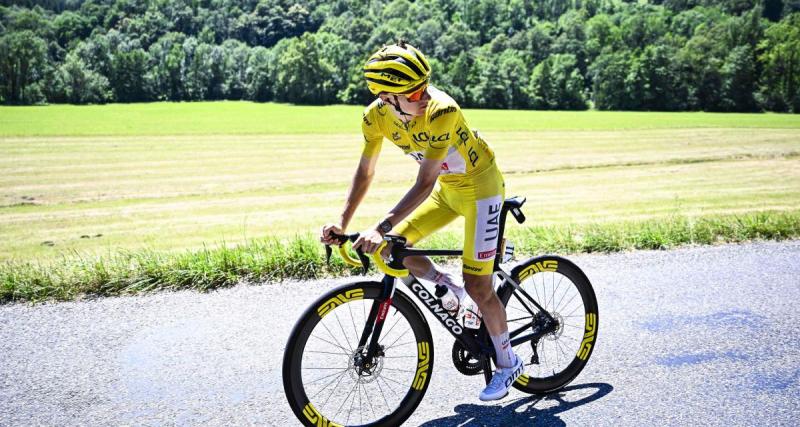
[464, 362]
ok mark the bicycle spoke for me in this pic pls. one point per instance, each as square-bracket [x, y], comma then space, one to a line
[558, 345]
[570, 300]
[385, 335]
[334, 389]
[369, 401]
[576, 309]
[328, 342]
[398, 339]
[334, 338]
[392, 379]
[557, 306]
[378, 383]
[327, 352]
[344, 335]
[327, 376]
[345, 401]
[352, 402]
[400, 345]
[353, 320]
[399, 370]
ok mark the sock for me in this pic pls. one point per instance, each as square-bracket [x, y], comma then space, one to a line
[440, 277]
[502, 347]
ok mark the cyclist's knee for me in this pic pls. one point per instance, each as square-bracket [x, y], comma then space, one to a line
[479, 288]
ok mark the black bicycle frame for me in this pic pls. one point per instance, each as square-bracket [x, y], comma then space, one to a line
[478, 345]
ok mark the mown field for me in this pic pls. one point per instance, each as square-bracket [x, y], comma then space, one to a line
[85, 181]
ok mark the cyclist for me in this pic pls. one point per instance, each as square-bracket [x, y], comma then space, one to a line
[428, 125]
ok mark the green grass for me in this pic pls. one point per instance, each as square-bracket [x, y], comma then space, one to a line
[241, 118]
[302, 257]
[97, 195]
[151, 190]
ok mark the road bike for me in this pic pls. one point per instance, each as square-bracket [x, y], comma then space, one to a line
[362, 354]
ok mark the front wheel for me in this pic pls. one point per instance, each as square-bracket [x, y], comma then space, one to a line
[563, 291]
[326, 378]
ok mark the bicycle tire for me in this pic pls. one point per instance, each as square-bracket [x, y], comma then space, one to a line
[332, 304]
[542, 277]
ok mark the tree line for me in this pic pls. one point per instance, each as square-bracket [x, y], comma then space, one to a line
[712, 55]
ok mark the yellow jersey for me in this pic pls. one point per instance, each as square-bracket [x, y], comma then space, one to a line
[441, 133]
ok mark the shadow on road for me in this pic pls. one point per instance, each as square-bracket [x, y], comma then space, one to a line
[524, 411]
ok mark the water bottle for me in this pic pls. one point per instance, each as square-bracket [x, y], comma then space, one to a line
[472, 314]
[448, 298]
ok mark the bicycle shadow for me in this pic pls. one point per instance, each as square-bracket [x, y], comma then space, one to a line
[516, 414]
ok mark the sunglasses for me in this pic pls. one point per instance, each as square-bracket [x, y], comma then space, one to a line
[417, 95]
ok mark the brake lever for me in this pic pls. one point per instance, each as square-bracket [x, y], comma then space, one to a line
[328, 252]
[364, 260]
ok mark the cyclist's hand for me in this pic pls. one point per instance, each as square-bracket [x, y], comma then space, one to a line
[369, 241]
[326, 237]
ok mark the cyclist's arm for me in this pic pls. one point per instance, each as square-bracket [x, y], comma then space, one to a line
[358, 188]
[370, 240]
[426, 179]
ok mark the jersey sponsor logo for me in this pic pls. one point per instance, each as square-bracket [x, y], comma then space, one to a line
[431, 139]
[416, 155]
[366, 120]
[487, 254]
[381, 108]
[453, 163]
[473, 156]
[463, 136]
[440, 113]
[471, 268]
[487, 225]
[396, 137]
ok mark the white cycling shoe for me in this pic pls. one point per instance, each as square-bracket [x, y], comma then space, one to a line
[502, 380]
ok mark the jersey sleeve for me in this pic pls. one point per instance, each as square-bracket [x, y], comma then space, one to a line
[442, 122]
[373, 137]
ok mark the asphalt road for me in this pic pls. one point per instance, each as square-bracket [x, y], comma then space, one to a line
[698, 336]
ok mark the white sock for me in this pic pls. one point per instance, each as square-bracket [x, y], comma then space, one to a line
[441, 277]
[502, 347]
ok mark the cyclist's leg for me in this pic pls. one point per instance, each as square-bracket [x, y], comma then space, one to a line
[431, 215]
[481, 206]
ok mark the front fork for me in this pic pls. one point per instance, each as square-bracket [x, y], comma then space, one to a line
[374, 325]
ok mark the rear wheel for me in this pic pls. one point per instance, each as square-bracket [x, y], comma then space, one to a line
[325, 376]
[565, 294]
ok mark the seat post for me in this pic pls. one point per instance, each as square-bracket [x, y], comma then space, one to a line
[498, 257]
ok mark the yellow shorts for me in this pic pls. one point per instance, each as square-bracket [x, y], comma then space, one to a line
[479, 200]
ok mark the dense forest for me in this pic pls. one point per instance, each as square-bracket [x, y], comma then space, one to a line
[712, 55]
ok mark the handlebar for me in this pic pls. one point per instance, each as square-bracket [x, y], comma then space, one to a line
[399, 250]
[363, 259]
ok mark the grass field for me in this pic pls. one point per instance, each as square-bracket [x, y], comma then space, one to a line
[79, 181]
[243, 118]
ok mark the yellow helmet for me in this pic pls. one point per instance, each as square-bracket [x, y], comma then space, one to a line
[397, 68]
